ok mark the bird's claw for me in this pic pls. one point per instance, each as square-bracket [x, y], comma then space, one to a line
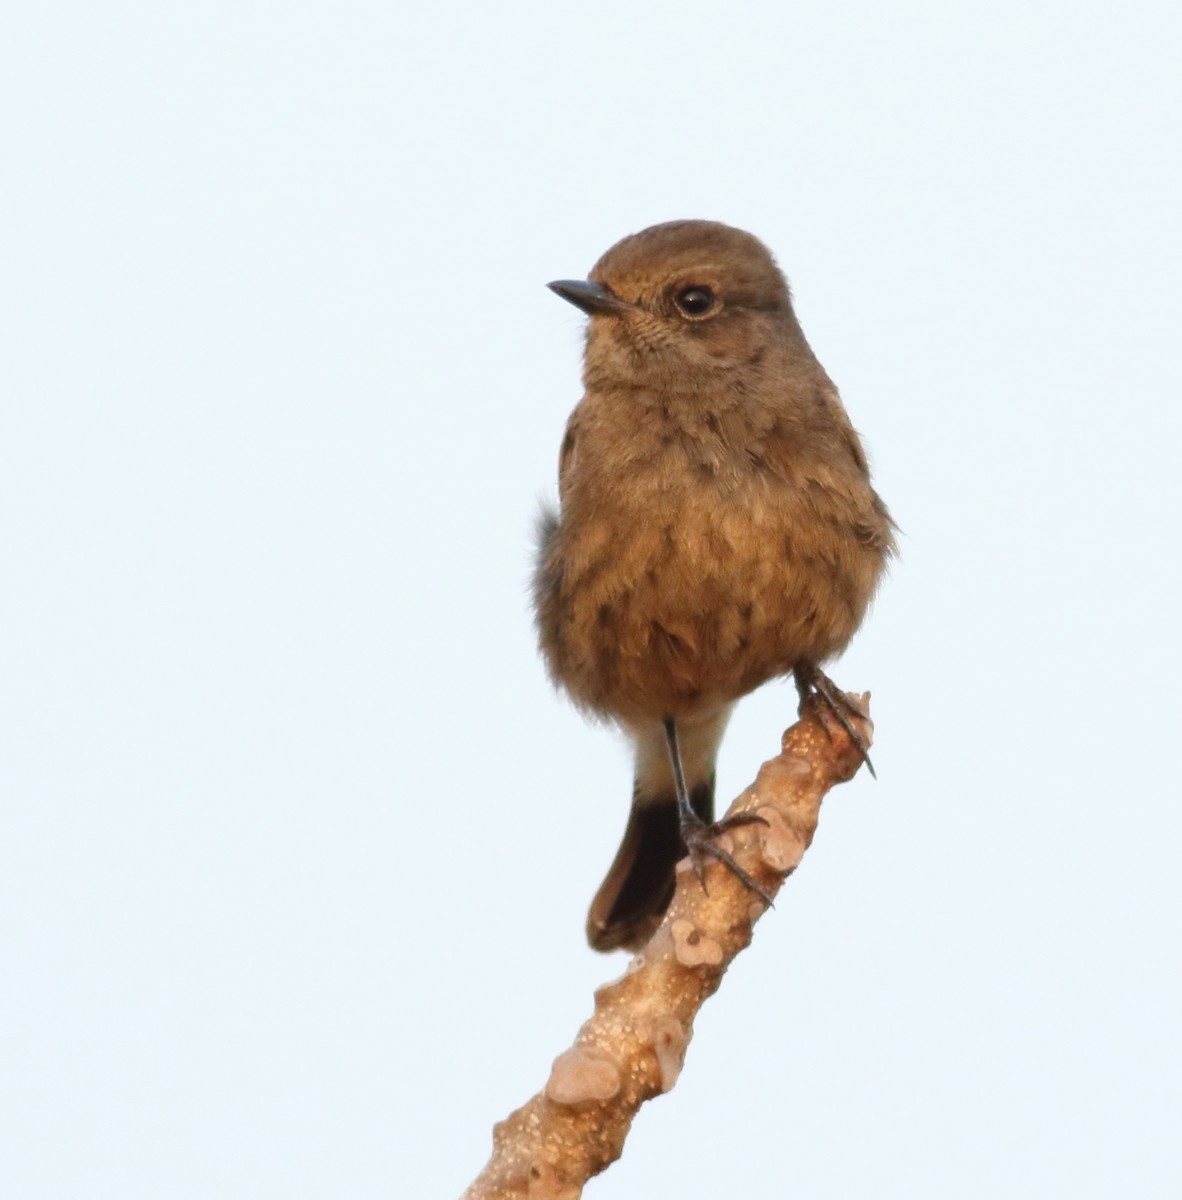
[699, 838]
[812, 681]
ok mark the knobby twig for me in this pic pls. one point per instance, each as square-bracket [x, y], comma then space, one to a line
[633, 1046]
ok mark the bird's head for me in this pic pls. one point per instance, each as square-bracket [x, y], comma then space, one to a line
[677, 303]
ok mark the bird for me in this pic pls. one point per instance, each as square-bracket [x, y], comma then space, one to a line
[716, 528]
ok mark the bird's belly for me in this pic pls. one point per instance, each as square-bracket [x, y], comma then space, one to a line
[692, 607]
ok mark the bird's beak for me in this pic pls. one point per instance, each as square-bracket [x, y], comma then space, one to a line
[595, 299]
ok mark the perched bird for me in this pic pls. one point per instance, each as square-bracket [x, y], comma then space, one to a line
[717, 529]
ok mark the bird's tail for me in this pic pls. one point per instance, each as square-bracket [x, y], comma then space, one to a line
[633, 898]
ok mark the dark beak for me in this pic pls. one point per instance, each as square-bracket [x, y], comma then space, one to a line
[593, 298]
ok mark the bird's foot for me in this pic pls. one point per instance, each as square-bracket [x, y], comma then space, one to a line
[699, 836]
[812, 681]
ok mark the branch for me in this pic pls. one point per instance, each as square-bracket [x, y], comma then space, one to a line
[633, 1046]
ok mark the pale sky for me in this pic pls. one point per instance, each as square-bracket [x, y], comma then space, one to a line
[296, 839]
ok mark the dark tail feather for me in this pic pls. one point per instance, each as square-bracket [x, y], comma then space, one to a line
[633, 898]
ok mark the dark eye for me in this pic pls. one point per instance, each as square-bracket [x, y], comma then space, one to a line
[694, 301]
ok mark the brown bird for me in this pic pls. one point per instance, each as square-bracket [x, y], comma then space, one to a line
[717, 529]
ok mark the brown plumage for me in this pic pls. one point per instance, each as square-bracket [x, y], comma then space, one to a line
[717, 529]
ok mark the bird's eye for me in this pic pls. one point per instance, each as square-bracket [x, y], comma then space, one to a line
[694, 301]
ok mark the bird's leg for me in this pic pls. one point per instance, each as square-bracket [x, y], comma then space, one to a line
[699, 835]
[811, 680]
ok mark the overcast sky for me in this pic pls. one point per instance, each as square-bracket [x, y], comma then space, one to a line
[296, 840]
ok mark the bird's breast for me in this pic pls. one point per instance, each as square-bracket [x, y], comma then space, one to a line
[688, 573]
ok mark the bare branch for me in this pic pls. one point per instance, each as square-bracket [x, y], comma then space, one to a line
[633, 1046]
